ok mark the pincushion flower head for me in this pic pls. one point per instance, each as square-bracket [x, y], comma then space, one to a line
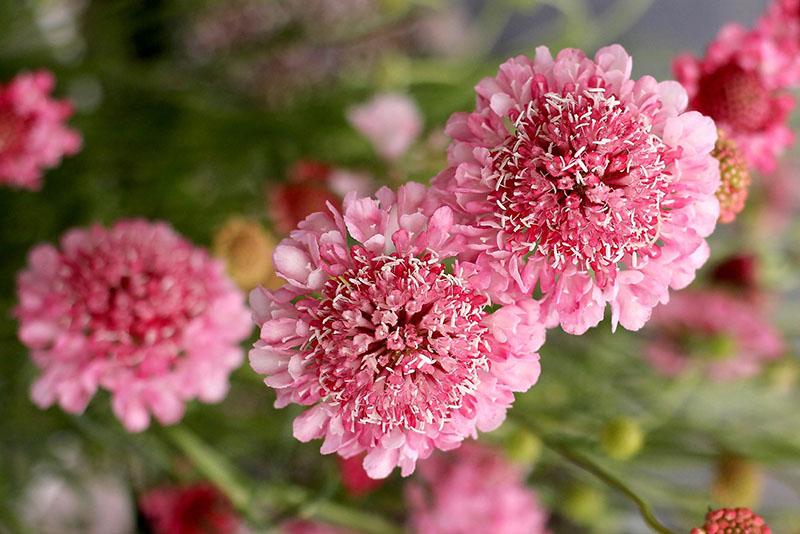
[383, 338]
[583, 184]
[33, 133]
[741, 83]
[473, 489]
[734, 176]
[724, 336]
[733, 521]
[197, 509]
[136, 310]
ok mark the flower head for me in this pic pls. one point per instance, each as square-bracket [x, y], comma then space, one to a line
[734, 178]
[384, 338]
[473, 489]
[741, 83]
[592, 185]
[33, 134]
[733, 521]
[196, 509]
[390, 121]
[725, 336]
[136, 310]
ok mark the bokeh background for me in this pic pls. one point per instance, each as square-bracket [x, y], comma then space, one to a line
[196, 111]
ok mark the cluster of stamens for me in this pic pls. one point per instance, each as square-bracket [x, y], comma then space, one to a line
[581, 180]
[397, 341]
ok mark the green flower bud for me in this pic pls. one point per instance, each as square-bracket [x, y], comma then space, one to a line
[622, 438]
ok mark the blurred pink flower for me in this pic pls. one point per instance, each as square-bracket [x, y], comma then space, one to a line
[33, 133]
[197, 509]
[574, 177]
[135, 309]
[725, 336]
[470, 490]
[781, 22]
[740, 83]
[355, 480]
[391, 122]
[394, 353]
[311, 185]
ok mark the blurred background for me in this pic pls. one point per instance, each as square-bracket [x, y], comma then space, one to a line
[196, 112]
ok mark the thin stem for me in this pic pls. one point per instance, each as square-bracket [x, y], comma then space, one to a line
[249, 498]
[587, 464]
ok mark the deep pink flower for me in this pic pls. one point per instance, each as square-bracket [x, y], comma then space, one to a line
[725, 336]
[740, 83]
[355, 479]
[579, 180]
[135, 309]
[733, 521]
[391, 122]
[311, 185]
[33, 131]
[473, 489]
[197, 509]
[391, 348]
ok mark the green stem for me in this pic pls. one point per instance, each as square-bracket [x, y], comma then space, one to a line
[587, 464]
[250, 499]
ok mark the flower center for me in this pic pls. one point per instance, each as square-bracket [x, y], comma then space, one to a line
[397, 341]
[581, 180]
[735, 97]
[134, 301]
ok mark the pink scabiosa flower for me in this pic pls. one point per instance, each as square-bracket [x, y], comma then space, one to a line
[355, 480]
[473, 489]
[733, 521]
[740, 83]
[781, 22]
[197, 509]
[136, 310]
[724, 336]
[311, 185]
[391, 122]
[384, 339]
[33, 133]
[574, 177]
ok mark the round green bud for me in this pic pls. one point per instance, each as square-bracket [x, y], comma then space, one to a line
[622, 438]
[583, 504]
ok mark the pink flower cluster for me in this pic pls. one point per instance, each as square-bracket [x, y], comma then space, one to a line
[474, 489]
[725, 336]
[584, 184]
[136, 310]
[743, 80]
[33, 134]
[384, 337]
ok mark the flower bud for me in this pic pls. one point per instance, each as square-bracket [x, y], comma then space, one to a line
[622, 438]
